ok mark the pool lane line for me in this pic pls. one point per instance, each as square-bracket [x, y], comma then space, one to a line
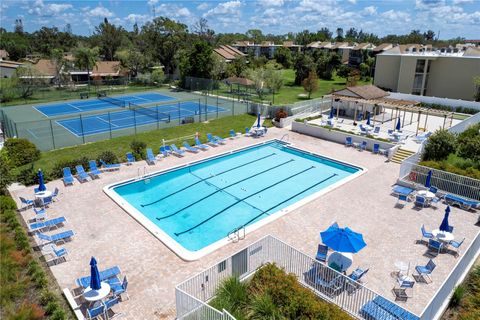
[242, 200]
[290, 198]
[203, 179]
[220, 189]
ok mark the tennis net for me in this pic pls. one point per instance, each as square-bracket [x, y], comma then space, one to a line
[116, 102]
[151, 112]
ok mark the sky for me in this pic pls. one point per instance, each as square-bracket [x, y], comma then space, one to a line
[450, 18]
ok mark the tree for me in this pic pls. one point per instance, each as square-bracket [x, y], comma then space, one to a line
[429, 35]
[310, 84]
[258, 78]
[157, 76]
[303, 66]
[324, 34]
[110, 38]
[6, 175]
[255, 35]
[273, 80]
[219, 67]
[198, 61]
[364, 69]
[27, 79]
[343, 71]
[202, 29]
[237, 67]
[439, 146]
[476, 81]
[284, 57]
[60, 63]
[132, 59]
[86, 58]
[18, 27]
[339, 34]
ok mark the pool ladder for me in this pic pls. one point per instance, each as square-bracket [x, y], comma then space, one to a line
[285, 137]
[140, 176]
[237, 234]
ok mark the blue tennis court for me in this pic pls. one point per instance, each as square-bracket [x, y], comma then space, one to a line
[100, 123]
[59, 109]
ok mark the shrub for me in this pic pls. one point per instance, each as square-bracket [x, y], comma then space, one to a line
[29, 311]
[6, 177]
[47, 296]
[138, 149]
[7, 203]
[439, 145]
[28, 176]
[21, 151]
[57, 170]
[58, 314]
[51, 307]
[231, 295]
[457, 296]
[280, 114]
[108, 157]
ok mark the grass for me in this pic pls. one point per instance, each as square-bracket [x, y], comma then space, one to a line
[456, 164]
[153, 139]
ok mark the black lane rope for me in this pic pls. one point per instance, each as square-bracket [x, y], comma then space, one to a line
[220, 189]
[204, 179]
[316, 184]
[243, 199]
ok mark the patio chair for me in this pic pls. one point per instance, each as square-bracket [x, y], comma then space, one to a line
[376, 148]
[376, 130]
[55, 238]
[420, 201]
[96, 312]
[356, 279]
[41, 214]
[82, 176]
[247, 132]
[55, 193]
[109, 313]
[425, 234]
[67, 176]
[110, 166]
[150, 156]
[324, 280]
[200, 145]
[48, 224]
[104, 276]
[211, 140]
[176, 151]
[322, 252]
[401, 292]
[54, 253]
[398, 189]
[35, 190]
[130, 158]
[26, 203]
[450, 229]
[435, 246]
[120, 288]
[433, 190]
[94, 172]
[362, 146]
[390, 132]
[163, 151]
[348, 141]
[189, 148]
[401, 200]
[426, 271]
[363, 131]
[456, 245]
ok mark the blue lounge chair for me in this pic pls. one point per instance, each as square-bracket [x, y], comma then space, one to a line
[54, 253]
[401, 291]
[348, 141]
[150, 156]
[376, 148]
[234, 135]
[426, 271]
[461, 202]
[130, 158]
[322, 252]
[394, 309]
[200, 145]
[362, 146]
[376, 130]
[420, 201]
[96, 312]
[176, 151]
[456, 245]
[425, 234]
[26, 203]
[94, 172]
[397, 189]
[211, 141]
[247, 132]
[81, 174]
[67, 176]
[56, 238]
[163, 151]
[188, 147]
[104, 275]
[402, 200]
[120, 288]
[48, 224]
[435, 246]
[219, 140]
[363, 131]
[110, 167]
[433, 190]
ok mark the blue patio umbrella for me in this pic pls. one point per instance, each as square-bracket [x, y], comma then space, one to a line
[368, 118]
[428, 180]
[444, 225]
[94, 275]
[343, 239]
[330, 116]
[41, 181]
[258, 120]
[399, 125]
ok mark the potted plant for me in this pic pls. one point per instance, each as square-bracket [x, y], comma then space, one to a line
[280, 115]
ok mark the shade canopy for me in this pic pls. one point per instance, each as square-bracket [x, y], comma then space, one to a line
[258, 120]
[444, 225]
[41, 181]
[428, 180]
[368, 118]
[399, 125]
[342, 239]
[94, 275]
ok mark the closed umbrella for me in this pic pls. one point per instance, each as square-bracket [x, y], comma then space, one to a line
[94, 275]
[368, 118]
[330, 116]
[399, 125]
[428, 180]
[444, 225]
[258, 120]
[41, 181]
[343, 239]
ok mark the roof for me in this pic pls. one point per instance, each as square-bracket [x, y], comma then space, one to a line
[338, 45]
[242, 43]
[45, 67]
[267, 43]
[107, 68]
[290, 44]
[228, 52]
[240, 81]
[366, 92]
[10, 64]
[383, 46]
[4, 54]
[472, 52]
[363, 46]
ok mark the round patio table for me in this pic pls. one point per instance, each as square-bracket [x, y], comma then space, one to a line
[427, 194]
[43, 194]
[443, 236]
[95, 295]
[342, 259]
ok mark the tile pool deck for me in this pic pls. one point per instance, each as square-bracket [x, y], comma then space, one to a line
[104, 230]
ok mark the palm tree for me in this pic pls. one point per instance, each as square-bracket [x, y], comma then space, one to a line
[85, 58]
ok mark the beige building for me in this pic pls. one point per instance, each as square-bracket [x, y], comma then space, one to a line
[419, 70]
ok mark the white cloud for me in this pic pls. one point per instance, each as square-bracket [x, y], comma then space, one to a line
[225, 8]
[203, 6]
[101, 12]
[460, 2]
[396, 16]
[352, 1]
[152, 2]
[39, 8]
[137, 18]
[184, 12]
[369, 11]
[173, 11]
[271, 3]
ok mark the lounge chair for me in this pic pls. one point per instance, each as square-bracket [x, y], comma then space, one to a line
[420, 201]
[82, 176]
[54, 253]
[234, 135]
[48, 224]
[363, 131]
[219, 140]
[119, 288]
[376, 148]
[67, 176]
[322, 252]
[130, 158]
[163, 151]
[426, 271]
[176, 151]
[435, 246]
[456, 245]
[104, 275]
[94, 172]
[401, 292]
[348, 141]
[189, 148]
[110, 166]
[425, 234]
[150, 157]
[376, 130]
[463, 203]
[26, 203]
[96, 312]
[383, 309]
[200, 145]
[397, 189]
[56, 238]
[211, 140]
[402, 200]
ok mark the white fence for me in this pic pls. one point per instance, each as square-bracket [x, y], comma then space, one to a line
[439, 302]
[462, 126]
[193, 294]
[436, 100]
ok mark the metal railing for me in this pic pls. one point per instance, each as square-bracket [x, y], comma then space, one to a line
[462, 126]
[193, 295]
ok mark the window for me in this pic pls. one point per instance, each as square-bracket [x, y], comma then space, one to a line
[417, 81]
[222, 266]
[420, 66]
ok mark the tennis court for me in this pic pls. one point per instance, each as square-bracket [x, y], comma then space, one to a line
[101, 123]
[64, 108]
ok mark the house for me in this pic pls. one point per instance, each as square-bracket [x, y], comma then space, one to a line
[359, 53]
[7, 68]
[422, 70]
[294, 48]
[228, 53]
[266, 48]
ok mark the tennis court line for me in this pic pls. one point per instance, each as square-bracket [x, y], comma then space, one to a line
[33, 134]
[137, 97]
[109, 123]
[71, 105]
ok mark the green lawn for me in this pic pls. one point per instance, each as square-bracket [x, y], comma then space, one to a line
[153, 139]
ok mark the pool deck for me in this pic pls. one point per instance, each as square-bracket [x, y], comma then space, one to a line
[364, 204]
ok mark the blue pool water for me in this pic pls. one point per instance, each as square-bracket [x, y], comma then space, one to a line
[200, 204]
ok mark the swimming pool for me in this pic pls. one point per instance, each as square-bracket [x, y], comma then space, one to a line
[193, 208]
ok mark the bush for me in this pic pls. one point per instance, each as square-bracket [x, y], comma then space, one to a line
[439, 146]
[231, 295]
[280, 114]
[7, 203]
[470, 148]
[57, 170]
[58, 314]
[457, 296]
[28, 176]
[21, 151]
[108, 157]
[6, 177]
[138, 149]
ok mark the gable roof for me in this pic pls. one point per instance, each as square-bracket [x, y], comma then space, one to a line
[240, 81]
[107, 68]
[228, 52]
[366, 92]
[45, 67]
[383, 46]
